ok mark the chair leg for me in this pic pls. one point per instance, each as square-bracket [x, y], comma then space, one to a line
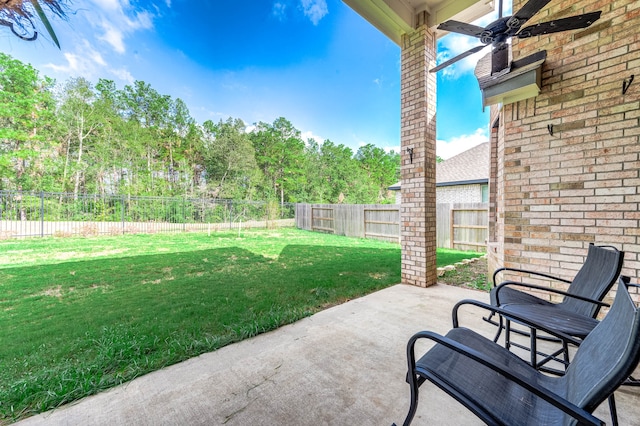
[507, 333]
[565, 347]
[499, 323]
[500, 327]
[414, 402]
[534, 347]
[612, 409]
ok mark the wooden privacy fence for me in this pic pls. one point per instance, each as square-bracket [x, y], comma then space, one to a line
[459, 226]
[462, 226]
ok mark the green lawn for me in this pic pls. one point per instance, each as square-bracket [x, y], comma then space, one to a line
[81, 315]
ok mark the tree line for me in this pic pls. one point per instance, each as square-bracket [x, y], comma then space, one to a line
[86, 138]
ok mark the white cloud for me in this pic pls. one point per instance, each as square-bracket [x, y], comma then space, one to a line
[71, 67]
[315, 10]
[123, 74]
[108, 25]
[96, 57]
[310, 135]
[142, 21]
[454, 146]
[117, 19]
[85, 61]
[112, 5]
[113, 37]
[279, 11]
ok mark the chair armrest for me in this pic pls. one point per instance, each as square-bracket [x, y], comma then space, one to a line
[627, 281]
[583, 416]
[513, 317]
[525, 271]
[547, 289]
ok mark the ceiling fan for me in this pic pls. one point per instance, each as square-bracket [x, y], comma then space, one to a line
[498, 32]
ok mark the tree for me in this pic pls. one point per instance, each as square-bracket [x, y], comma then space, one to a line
[118, 158]
[332, 172]
[193, 151]
[147, 112]
[26, 117]
[316, 187]
[229, 159]
[280, 156]
[381, 168]
[80, 118]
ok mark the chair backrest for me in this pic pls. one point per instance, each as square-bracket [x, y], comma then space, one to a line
[607, 356]
[599, 272]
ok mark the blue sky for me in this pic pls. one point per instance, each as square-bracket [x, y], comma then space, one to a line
[315, 62]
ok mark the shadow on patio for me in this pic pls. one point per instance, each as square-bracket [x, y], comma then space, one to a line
[343, 366]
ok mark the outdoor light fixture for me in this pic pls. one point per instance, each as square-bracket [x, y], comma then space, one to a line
[626, 83]
[410, 152]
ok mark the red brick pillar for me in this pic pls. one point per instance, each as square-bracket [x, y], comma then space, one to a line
[418, 149]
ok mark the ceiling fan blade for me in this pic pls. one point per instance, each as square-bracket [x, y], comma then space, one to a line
[526, 12]
[457, 58]
[571, 23]
[461, 28]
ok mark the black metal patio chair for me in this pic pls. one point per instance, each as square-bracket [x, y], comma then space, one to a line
[502, 389]
[574, 315]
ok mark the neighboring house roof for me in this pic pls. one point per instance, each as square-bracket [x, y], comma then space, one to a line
[468, 167]
[395, 187]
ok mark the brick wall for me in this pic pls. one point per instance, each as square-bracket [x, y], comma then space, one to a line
[418, 133]
[557, 193]
[459, 194]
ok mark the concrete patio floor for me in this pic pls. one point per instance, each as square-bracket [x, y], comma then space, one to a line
[343, 366]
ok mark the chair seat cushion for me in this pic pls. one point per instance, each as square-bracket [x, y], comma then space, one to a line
[554, 317]
[485, 390]
[509, 295]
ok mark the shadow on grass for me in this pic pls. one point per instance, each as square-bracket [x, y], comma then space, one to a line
[75, 328]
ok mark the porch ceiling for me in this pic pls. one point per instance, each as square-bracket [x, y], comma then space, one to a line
[397, 17]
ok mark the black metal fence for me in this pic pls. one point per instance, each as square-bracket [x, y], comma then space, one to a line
[31, 214]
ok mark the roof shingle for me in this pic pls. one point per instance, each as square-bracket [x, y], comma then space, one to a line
[470, 165]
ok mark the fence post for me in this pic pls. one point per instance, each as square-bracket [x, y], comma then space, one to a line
[41, 214]
[184, 214]
[122, 215]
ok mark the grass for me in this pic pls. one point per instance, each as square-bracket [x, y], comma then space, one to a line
[82, 315]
